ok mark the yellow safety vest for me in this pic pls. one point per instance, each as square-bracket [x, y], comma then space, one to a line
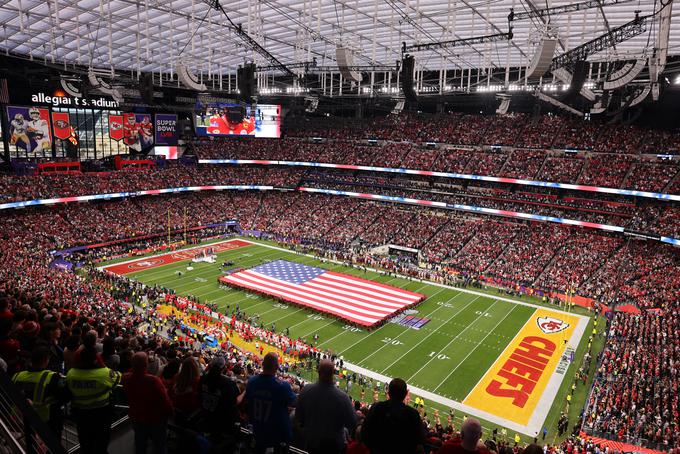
[34, 386]
[91, 388]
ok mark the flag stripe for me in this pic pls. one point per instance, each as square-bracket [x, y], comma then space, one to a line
[252, 276]
[372, 285]
[395, 301]
[307, 302]
[358, 300]
[347, 292]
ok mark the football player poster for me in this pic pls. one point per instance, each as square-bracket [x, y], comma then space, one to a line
[137, 131]
[29, 128]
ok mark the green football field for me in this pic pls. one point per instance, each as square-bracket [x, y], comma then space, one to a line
[448, 356]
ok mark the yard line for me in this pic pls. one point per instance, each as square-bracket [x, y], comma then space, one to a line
[337, 335]
[281, 318]
[451, 342]
[472, 351]
[433, 331]
[318, 329]
[387, 323]
[303, 321]
[407, 329]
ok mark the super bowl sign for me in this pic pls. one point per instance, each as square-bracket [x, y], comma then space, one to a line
[166, 129]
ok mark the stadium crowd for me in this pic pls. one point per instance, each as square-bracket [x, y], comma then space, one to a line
[519, 130]
[77, 325]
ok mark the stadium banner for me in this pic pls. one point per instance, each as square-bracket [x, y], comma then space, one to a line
[116, 127]
[62, 125]
[29, 128]
[137, 131]
[515, 384]
[166, 129]
[460, 176]
[393, 199]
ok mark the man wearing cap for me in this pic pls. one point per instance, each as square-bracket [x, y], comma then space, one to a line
[218, 395]
[325, 412]
[392, 426]
[150, 406]
[268, 400]
[468, 442]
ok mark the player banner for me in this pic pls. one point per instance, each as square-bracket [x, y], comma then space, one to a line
[166, 129]
[116, 127]
[137, 131]
[29, 128]
[62, 125]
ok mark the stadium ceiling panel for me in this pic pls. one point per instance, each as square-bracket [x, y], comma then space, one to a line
[153, 35]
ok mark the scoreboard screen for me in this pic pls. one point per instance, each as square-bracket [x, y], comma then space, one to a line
[261, 120]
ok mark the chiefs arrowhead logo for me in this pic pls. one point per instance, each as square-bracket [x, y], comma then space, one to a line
[115, 126]
[550, 325]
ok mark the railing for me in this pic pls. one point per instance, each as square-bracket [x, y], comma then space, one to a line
[22, 429]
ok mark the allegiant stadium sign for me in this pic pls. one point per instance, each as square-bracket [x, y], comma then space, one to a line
[68, 101]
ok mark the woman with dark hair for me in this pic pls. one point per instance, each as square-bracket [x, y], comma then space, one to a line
[50, 334]
[109, 355]
[169, 373]
[71, 347]
[185, 392]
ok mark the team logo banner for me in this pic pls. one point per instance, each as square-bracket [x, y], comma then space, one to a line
[62, 125]
[116, 127]
[166, 129]
[29, 128]
[137, 131]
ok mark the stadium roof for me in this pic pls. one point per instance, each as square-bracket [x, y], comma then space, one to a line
[151, 35]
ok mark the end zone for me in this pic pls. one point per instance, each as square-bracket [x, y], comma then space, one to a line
[520, 387]
[145, 263]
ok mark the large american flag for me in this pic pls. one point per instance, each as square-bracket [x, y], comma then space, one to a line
[358, 300]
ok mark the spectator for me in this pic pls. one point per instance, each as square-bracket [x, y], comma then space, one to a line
[150, 406]
[325, 413]
[392, 426]
[185, 390]
[91, 384]
[45, 389]
[468, 442]
[218, 397]
[268, 400]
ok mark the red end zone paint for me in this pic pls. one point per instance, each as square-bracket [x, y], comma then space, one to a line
[172, 257]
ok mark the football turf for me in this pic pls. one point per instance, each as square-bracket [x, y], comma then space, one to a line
[448, 356]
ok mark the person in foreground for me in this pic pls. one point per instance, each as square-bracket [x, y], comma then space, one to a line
[150, 406]
[469, 441]
[91, 384]
[392, 426]
[268, 400]
[325, 412]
